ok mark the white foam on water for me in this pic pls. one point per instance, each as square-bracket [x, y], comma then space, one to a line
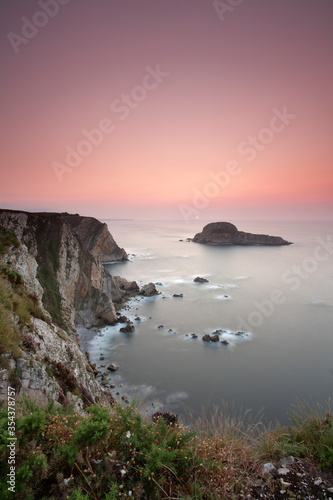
[224, 297]
[319, 302]
[202, 275]
[177, 281]
[241, 277]
[176, 396]
[224, 286]
[141, 256]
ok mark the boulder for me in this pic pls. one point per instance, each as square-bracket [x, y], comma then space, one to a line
[206, 338]
[179, 295]
[200, 280]
[122, 319]
[148, 290]
[169, 418]
[128, 328]
[113, 367]
[123, 284]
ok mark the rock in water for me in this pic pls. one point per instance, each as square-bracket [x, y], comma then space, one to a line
[148, 290]
[225, 233]
[128, 328]
[112, 367]
[198, 279]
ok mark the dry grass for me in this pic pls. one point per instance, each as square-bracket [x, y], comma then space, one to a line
[226, 444]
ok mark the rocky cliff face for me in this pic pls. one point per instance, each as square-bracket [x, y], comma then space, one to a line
[60, 259]
[51, 365]
[224, 233]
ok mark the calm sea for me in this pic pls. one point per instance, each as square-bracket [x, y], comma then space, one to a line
[281, 297]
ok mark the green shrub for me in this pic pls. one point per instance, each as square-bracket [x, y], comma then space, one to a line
[12, 275]
[116, 454]
[7, 239]
[9, 337]
[94, 428]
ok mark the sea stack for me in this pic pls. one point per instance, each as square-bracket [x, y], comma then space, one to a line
[225, 233]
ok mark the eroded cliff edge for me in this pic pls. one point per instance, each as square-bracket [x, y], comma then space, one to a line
[51, 279]
[60, 258]
[225, 233]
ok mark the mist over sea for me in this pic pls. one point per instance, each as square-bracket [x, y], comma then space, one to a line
[281, 297]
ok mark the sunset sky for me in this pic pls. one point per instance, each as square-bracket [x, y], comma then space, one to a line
[171, 109]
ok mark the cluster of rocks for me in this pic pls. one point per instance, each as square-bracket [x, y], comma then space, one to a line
[215, 336]
[292, 478]
[124, 290]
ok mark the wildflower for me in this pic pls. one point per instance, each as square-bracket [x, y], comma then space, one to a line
[123, 472]
[128, 434]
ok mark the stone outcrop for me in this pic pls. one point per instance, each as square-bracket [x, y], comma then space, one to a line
[225, 233]
[60, 259]
[148, 290]
[53, 368]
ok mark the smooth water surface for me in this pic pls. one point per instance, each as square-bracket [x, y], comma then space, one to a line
[281, 297]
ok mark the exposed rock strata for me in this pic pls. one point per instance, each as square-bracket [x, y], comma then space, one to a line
[60, 259]
[225, 233]
[40, 373]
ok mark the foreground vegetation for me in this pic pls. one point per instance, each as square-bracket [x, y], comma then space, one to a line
[119, 454]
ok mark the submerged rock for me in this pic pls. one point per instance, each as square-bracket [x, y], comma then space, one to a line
[200, 280]
[225, 233]
[113, 367]
[128, 328]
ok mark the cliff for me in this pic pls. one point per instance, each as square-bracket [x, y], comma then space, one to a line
[225, 233]
[60, 259]
[52, 278]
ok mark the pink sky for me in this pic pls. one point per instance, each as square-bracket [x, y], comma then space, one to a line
[203, 85]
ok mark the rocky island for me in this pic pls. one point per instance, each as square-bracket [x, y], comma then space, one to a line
[225, 233]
